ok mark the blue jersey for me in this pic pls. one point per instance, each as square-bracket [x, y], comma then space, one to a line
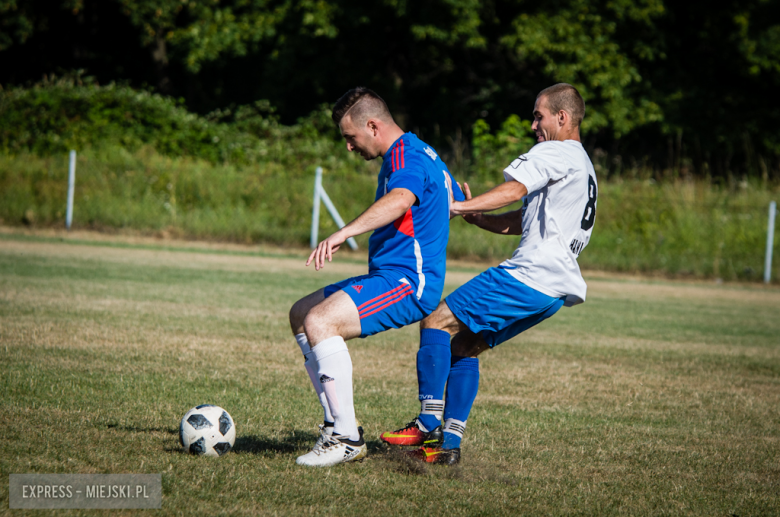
[416, 243]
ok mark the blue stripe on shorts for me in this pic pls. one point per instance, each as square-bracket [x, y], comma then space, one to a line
[497, 306]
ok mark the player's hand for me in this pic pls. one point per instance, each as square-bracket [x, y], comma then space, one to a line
[466, 190]
[455, 205]
[326, 249]
[473, 218]
[469, 218]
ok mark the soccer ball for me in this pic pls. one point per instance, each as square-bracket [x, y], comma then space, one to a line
[207, 430]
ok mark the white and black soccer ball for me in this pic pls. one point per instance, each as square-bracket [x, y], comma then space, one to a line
[207, 430]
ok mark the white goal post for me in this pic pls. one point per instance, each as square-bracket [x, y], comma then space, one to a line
[320, 194]
[770, 237]
[71, 188]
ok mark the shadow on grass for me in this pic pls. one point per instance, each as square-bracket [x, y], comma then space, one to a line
[296, 441]
[477, 468]
[396, 460]
[293, 442]
[136, 429]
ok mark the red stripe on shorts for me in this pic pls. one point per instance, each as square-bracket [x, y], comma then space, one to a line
[388, 302]
[382, 303]
[384, 299]
[362, 305]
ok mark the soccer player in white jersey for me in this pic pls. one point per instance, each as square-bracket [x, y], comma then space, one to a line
[557, 182]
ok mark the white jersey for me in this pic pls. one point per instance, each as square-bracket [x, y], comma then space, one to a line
[558, 216]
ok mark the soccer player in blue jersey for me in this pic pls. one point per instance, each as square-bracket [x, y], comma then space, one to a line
[558, 184]
[406, 265]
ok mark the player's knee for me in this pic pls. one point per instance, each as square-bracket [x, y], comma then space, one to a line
[314, 321]
[429, 322]
[438, 319]
[297, 315]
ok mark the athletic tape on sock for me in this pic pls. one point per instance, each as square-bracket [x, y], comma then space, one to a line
[455, 427]
[432, 407]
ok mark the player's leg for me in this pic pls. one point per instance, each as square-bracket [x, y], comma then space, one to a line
[298, 314]
[363, 306]
[301, 308]
[327, 326]
[433, 366]
[494, 307]
[462, 387]
[336, 315]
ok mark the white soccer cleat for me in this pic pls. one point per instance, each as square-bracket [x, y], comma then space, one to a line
[325, 432]
[331, 450]
[328, 431]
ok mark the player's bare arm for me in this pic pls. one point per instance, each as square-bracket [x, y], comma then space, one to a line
[383, 212]
[509, 223]
[495, 198]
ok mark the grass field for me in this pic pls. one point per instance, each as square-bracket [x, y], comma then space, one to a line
[653, 398]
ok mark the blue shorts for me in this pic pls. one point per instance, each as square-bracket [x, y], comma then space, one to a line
[384, 299]
[497, 306]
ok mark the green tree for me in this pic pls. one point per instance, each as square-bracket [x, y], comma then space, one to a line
[580, 42]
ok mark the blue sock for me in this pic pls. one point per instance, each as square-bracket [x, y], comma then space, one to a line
[462, 386]
[433, 367]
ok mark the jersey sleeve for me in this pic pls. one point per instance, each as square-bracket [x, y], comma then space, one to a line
[535, 169]
[412, 176]
[457, 193]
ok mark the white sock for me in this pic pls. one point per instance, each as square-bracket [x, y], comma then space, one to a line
[311, 369]
[335, 374]
[303, 342]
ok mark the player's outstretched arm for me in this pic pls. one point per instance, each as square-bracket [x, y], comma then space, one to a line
[495, 198]
[508, 223]
[384, 211]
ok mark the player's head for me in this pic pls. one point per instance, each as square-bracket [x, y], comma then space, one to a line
[558, 113]
[361, 115]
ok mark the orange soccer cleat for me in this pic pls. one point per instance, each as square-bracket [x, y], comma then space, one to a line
[436, 455]
[411, 434]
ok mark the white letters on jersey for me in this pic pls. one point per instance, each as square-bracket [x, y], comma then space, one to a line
[448, 190]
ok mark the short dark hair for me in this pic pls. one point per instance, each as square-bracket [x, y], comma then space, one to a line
[563, 96]
[360, 103]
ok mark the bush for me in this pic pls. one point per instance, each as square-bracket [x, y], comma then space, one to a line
[493, 152]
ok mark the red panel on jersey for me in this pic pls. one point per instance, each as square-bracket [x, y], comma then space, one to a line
[404, 224]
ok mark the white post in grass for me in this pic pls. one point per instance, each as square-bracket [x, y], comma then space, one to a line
[315, 212]
[770, 238]
[336, 217]
[71, 188]
[320, 194]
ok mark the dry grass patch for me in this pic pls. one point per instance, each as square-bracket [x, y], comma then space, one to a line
[637, 402]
